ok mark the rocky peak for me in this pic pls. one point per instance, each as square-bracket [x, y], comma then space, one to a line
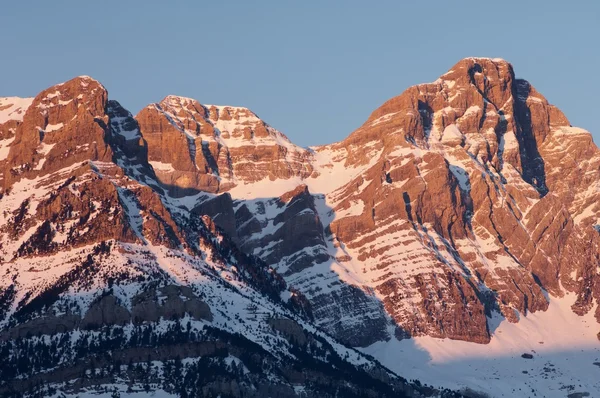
[477, 105]
[214, 148]
[65, 124]
[476, 156]
[226, 122]
[486, 74]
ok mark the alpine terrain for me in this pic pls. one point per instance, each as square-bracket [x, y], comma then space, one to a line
[450, 246]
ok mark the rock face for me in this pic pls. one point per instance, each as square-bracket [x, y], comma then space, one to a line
[212, 148]
[64, 125]
[172, 302]
[458, 199]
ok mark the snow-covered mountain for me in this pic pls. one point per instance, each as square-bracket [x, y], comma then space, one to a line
[447, 240]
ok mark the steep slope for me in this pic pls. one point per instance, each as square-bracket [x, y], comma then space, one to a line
[471, 174]
[108, 284]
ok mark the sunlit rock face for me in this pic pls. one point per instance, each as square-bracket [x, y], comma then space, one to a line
[213, 148]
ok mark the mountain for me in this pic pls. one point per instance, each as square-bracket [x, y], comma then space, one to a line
[193, 249]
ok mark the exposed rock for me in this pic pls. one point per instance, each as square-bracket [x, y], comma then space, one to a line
[105, 311]
[169, 302]
[220, 209]
[207, 147]
[65, 125]
[49, 324]
[526, 356]
[290, 329]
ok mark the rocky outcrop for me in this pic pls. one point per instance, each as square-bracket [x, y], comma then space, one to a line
[220, 209]
[295, 227]
[290, 329]
[12, 110]
[49, 324]
[169, 302]
[105, 311]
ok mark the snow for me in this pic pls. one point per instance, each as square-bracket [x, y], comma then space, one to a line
[40, 164]
[53, 127]
[160, 166]
[264, 188]
[558, 339]
[589, 211]
[472, 110]
[355, 208]
[13, 108]
[450, 83]
[331, 171]
[451, 134]
[383, 118]
[117, 127]
[121, 388]
[570, 131]
[496, 60]
[45, 149]
[462, 177]
[5, 147]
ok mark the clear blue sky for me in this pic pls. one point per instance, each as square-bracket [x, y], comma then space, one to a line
[314, 70]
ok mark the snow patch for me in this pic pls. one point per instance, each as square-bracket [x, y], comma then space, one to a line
[13, 108]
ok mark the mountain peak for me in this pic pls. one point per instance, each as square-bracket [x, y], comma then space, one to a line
[64, 125]
[215, 112]
[487, 59]
[82, 82]
[178, 101]
[476, 70]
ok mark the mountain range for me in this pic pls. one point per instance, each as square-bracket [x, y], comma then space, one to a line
[448, 247]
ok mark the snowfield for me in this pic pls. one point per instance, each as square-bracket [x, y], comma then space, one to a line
[564, 346]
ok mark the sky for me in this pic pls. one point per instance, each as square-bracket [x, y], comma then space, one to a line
[314, 70]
